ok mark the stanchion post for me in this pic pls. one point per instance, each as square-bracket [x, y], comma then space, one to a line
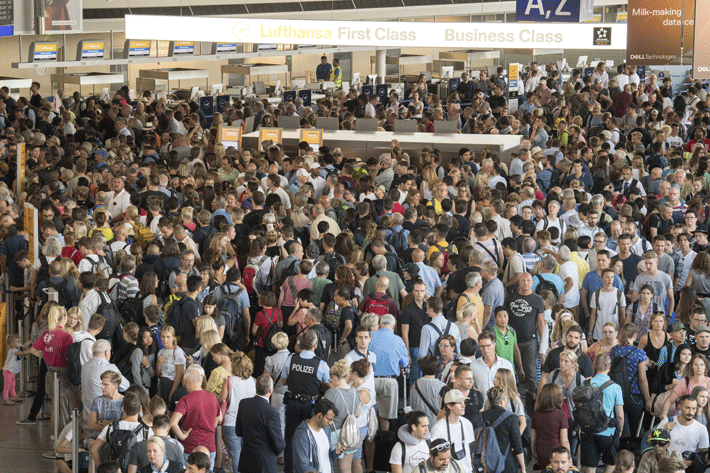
[55, 404]
[75, 441]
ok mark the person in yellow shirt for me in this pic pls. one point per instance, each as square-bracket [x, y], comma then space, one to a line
[442, 192]
[337, 73]
[442, 245]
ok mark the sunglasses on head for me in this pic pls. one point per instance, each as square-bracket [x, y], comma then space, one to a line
[442, 447]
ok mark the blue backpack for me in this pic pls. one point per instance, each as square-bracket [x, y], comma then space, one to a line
[398, 240]
[487, 457]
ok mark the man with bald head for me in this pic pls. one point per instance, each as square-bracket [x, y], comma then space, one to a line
[379, 302]
[427, 274]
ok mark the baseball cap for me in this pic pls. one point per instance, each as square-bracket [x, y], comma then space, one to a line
[412, 268]
[676, 327]
[702, 328]
[606, 134]
[454, 396]
[302, 173]
[660, 435]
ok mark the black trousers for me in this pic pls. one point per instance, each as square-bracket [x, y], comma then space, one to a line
[296, 412]
[41, 391]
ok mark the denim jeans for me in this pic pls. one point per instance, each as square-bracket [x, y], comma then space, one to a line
[234, 445]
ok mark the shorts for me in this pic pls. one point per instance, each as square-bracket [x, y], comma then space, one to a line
[363, 436]
[387, 395]
[593, 446]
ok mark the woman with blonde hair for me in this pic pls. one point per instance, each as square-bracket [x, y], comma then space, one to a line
[221, 245]
[413, 199]
[505, 379]
[429, 182]
[347, 401]
[467, 321]
[240, 385]
[75, 322]
[171, 363]
[187, 220]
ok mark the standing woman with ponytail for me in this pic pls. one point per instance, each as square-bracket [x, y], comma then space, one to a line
[507, 431]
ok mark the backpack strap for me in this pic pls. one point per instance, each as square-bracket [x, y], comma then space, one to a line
[555, 376]
[492, 255]
[506, 413]
[448, 327]
[424, 400]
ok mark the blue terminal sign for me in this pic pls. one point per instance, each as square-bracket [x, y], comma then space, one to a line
[567, 11]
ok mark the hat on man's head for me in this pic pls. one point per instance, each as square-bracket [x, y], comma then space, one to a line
[101, 152]
[302, 173]
[454, 396]
[606, 134]
[676, 327]
[525, 144]
[412, 268]
[702, 228]
[660, 435]
[702, 328]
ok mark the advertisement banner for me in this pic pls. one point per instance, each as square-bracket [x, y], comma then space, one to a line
[273, 134]
[313, 137]
[62, 16]
[230, 136]
[376, 33]
[663, 30]
[701, 57]
[31, 221]
[558, 11]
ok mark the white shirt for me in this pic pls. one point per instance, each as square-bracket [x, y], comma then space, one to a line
[621, 80]
[413, 455]
[118, 203]
[87, 342]
[483, 376]
[88, 305]
[569, 270]
[440, 431]
[323, 447]
[607, 310]
[690, 437]
[283, 196]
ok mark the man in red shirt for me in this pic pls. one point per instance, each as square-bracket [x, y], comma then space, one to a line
[196, 416]
[699, 134]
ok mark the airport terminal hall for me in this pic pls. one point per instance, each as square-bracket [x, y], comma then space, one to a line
[355, 236]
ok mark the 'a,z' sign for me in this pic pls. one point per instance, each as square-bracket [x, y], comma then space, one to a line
[570, 11]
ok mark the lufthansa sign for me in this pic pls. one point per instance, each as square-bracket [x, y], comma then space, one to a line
[371, 33]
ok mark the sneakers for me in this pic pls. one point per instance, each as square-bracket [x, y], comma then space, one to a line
[49, 455]
[43, 417]
[26, 421]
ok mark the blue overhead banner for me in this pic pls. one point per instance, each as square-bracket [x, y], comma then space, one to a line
[568, 11]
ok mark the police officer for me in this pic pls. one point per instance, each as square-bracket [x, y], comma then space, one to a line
[304, 374]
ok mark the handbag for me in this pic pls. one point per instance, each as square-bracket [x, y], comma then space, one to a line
[224, 405]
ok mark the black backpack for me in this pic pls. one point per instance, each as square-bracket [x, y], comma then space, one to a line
[125, 366]
[114, 323]
[325, 341]
[43, 273]
[231, 309]
[450, 310]
[619, 373]
[398, 240]
[174, 317]
[545, 285]
[120, 443]
[62, 289]
[164, 285]
[132, 310]
[589, 407]
[74, 362]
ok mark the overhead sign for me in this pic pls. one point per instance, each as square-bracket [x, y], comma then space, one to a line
[312, 136]
[273, 134]
[90, 49]
[181, 48]
[230, 136]
[513, 78]
[43, 51]
[225, 47]
[662, 31]
[137, 48]
[371, 33]
[567, 11]
[701, 56]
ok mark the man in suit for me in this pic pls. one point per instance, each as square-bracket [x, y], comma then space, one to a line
[259, 426]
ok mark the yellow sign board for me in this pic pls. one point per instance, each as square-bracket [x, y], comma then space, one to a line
[273, 134]
[31, 220]
[313, 137]
[230, 136]
[21, 165]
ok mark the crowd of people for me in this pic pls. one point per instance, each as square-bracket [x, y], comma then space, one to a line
[239, 309]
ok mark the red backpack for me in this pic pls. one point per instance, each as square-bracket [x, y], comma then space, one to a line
[252, 277]
[377, 306]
